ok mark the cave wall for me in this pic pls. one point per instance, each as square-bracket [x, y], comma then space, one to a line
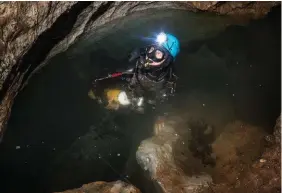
[33, 32]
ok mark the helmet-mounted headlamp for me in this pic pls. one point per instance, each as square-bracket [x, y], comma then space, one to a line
[161, 38]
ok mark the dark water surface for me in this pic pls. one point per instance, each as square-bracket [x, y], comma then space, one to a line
[57, 138]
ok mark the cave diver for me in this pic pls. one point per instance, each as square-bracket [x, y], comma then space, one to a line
[152, 77]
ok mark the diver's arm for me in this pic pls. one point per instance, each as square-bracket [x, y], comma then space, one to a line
[131, 69]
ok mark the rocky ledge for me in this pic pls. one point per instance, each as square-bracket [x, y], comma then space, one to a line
[105, 187]
[241, 166]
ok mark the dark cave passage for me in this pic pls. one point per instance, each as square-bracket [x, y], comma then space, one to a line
[58, 138]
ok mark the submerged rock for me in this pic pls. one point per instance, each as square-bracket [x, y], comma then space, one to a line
[262, 175]
[156, 156]
[277, 130]
[235, 149]
[105, 187]
[243, 164]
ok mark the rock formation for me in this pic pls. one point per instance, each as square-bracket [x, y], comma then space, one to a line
[257, 172]
[156, 155]
[261, 175]
[236, 147]
[105, 187]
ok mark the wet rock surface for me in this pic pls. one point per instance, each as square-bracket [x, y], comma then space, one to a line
[105, 187]
[263, 174]
[21, 24]
[156, 155]
[31, 32]
[235, 148]
[240, 167]
[245, 160]
[277, 131]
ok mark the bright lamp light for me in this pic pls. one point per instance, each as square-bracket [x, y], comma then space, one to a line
[161, 38]
[140, 101]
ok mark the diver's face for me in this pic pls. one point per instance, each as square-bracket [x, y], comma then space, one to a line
[158, 54]
[155, 56]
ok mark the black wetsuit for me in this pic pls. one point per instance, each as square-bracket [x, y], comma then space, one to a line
[152, 83]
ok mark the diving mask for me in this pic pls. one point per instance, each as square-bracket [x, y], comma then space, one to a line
[155, 56]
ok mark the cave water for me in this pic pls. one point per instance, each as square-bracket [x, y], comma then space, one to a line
[58, 138]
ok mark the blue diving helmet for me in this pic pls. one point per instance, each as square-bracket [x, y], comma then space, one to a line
[162, 52]
[169, 42]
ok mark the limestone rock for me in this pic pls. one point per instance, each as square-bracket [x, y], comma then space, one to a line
[277, 130]
[253, 9]
[21, 24]
[236, 147]
[105, 187]
[156, 155]
[263, 175]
